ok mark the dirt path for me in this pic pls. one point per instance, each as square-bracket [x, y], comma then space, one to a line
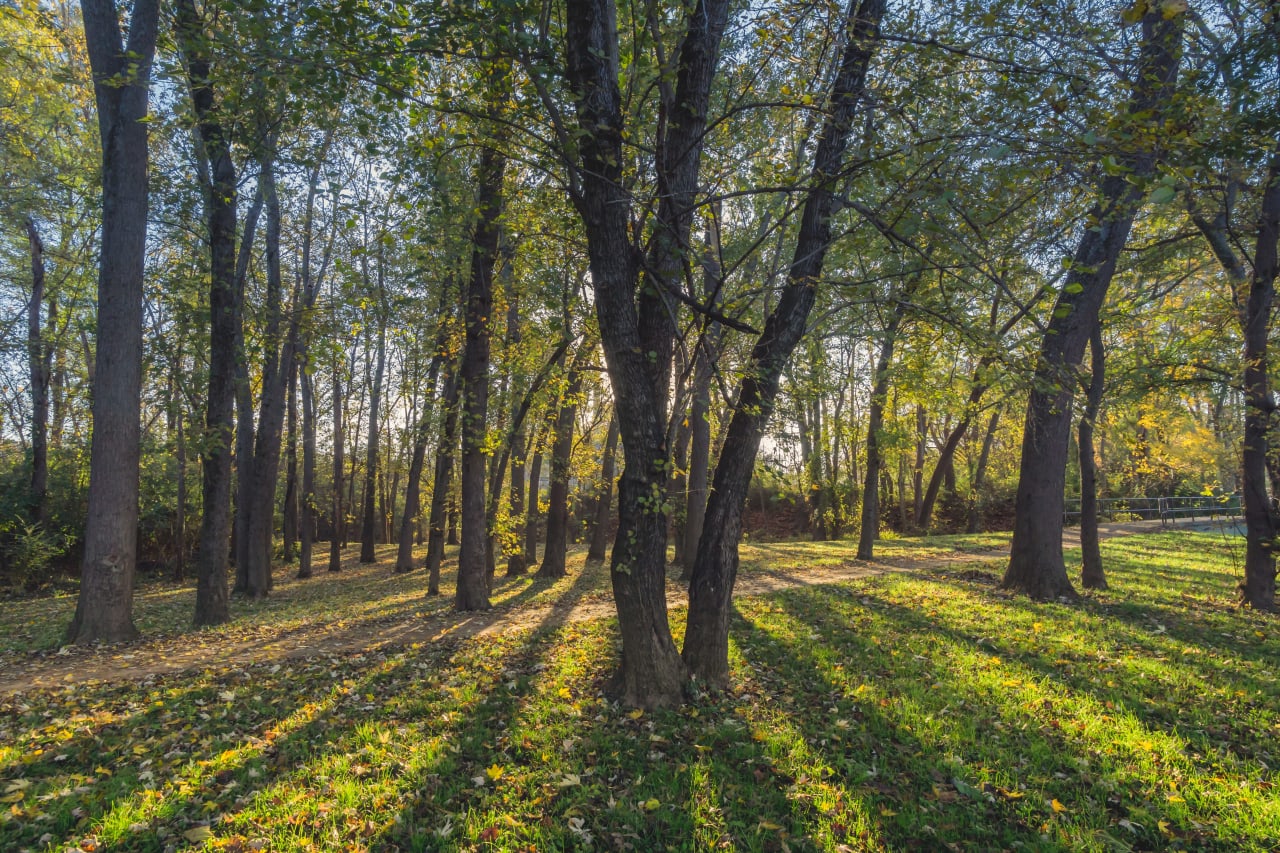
[158, 656]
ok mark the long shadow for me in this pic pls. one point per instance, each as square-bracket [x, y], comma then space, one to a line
[1033, 728]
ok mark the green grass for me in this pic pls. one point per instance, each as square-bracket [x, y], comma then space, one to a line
[903, 712]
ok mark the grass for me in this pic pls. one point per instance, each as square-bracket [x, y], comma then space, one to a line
[909, 711]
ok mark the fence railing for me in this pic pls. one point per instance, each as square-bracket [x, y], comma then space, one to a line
[1166, 510]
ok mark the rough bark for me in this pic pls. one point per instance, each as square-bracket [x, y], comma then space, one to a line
[1036, 565]
[39, 365]
[706, 646]
[121, 75]
[1092, 575]
[635, 330]
[473, 587]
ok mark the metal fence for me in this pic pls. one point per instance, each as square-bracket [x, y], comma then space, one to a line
[1166, 510]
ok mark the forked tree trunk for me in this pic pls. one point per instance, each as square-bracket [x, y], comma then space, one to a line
[121, 74]
[636, 330]
[706, 645]
[1036, 565]
[1092, 575]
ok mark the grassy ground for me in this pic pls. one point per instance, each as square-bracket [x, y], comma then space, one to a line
[904, 712]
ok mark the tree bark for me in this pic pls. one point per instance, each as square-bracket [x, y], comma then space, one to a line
[368, 526]
[473, 587]
[1036, 565]
[980, 474]
[1092, 575]
[307, 510]
[553, 557]
[290, 513]
[339, 534]
[121, 74]
[531, 518]
[635, 329]
[40, 365]
[706, 646]
[440, 482]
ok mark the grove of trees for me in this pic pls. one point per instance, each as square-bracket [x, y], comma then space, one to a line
[643, 276]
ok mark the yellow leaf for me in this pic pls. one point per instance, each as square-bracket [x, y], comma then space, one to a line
[1058, 807]
[564, 693]
[764, 824]
[15, 797]
[1174, 798]
[650, 805]
[636, 714]
[196, 834]
[495, 772]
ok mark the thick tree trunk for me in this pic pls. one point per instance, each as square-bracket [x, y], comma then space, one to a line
[553, 557]
[706, 645]
[636, 332]
[39, 364]
[121, 73]
[1091, 574]
[1036, 565]
[440, 482]
[604, 497]
[473, 586]
[870, 528]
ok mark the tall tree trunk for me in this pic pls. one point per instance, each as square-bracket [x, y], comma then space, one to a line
[870, 528]
[515, 503]
[260, 524]
[635, 325]
[553, 557]
[39, 363]
[945, 469]
[180, 511]
[1091, 573]
[440, 481]
[339, 533]
[700, 412]
[121, 74]
[532, 517]
[917, 469]
[212, 606]
[604, 497]
[307, 513]
[473, 587]
[291, 463]
[368, 526]
[1036, 565]
[706, 645]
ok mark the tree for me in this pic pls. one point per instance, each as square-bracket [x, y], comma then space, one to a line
[1036, 564]
[121, 76]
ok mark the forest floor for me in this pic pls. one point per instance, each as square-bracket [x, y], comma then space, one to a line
[365, 608]
[903, 705]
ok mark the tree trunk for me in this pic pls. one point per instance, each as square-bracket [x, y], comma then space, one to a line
[339, 534]
[531, 519]
[870, 529]
[291, 464]
[706, 645]
[368, 526]
[1036, 565]
[1091, 574]
[307, 514]
[440, 482]
[412, 492]
[945, 469]
[39, 363]
[473, 588]
[604, 497]
[635, 327]
[212, 606]
[553, 558]
[121, 73]
[917, 469]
